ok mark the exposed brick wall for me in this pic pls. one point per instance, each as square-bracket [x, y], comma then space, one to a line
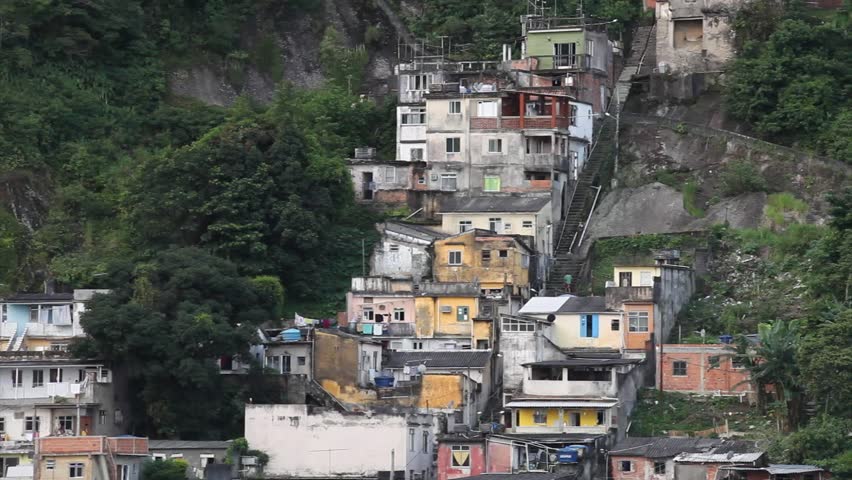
[700, 376]
[56, 445]
[479, 123]
[391, 196]
[129, 445]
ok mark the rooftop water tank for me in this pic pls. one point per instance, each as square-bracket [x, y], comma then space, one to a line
[291, 335]
[570, 454]
[384, 382]
[726, 338]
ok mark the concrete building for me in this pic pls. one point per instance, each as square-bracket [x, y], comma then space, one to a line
[198, 454]
[499, 263]
[404, 251]
[457, 382]
[586, 323]
[90, 458]
[289, 357]
[381, 306]
[345, 365]
[311, 442]
[712, 369]
[694, 36]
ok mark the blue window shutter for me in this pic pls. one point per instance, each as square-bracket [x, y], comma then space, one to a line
[582, 325]
[595, 326]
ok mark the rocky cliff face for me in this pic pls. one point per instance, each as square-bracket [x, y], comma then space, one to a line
[294, 40]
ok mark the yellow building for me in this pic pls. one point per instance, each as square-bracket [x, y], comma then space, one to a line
[635, 275]
[525, 216]
[494, 261]
[561, 415]
[586, 322]
[446, 309]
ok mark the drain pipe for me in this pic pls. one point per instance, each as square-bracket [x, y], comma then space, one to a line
[589, 219]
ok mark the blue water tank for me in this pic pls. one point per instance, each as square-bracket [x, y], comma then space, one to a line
[726, 338]
[384, 382]
[291, 335]
[570, 454]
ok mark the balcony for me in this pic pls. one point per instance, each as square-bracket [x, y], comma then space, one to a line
[8, 330]
[561, 428]
[571, 63]
[575, 388]
[616, 296]
[393, 329]
[545, 162]
[517, 123]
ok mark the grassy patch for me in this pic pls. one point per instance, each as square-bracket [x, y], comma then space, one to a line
[267, 57]
[690, 200]
[659, 413]
[741, 176]
[780, 204]
[667, 177]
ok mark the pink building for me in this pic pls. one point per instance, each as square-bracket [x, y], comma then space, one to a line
[380, 306]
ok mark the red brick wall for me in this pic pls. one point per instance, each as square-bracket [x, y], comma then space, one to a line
[484, 122]
[499, 458]
[446, 471]
[129, 445]
[643, 468]
[700, 376]
[54, 445]
[391, 196]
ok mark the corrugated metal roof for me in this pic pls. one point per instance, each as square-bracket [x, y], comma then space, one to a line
[777, 469]
[440, 359]
[187, 444]
[543, 305]
[494, 204]
[561, 403]
[39, 297]
[661, 447]
[718, 457]
[584, 305]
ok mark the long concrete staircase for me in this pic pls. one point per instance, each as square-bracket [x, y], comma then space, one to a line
[569, 257]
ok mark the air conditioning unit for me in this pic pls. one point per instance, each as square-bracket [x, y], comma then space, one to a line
[610, 284]
[446, 309]
[416, 154]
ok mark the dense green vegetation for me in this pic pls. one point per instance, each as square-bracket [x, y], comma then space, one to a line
[477, 30]
[792, 79]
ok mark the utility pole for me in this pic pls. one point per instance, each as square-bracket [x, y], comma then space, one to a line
[392, 472]
[363, 258]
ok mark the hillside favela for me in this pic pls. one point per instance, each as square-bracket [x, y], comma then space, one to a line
[425, 240]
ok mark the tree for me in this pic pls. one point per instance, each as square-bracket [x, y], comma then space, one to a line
[774, 363]
[170, 469]
[825, 356]
[167, 327]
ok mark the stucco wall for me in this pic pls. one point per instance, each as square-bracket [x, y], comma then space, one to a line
[566, 332]
[329, 443]
[710, 51]
[492, 273]
[446, 470]
[430, 321]
[540, 230]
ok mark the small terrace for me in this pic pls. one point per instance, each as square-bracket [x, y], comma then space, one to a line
[528, 110]
[579, 381]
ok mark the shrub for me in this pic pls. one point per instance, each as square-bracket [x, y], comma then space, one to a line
[373, 35]
[690, 192]
[778, 204]
[742, 176]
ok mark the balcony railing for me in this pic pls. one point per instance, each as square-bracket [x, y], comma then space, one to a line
[517, 123]
[577, 62]
[569, 388]
[9, 329]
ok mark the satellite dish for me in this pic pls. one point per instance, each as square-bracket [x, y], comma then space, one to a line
[421, 369]
[551, 317]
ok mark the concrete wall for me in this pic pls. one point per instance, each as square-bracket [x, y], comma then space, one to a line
[493, 273]
[694, 36]
[637, 340]
[677, 285]
[475, 453]
[409, 257]
[299, 353]
[322, 443]
[431, 321]
[381, 305]
[541, 44]
[640, 276]
[566, 331]
[540, 230]
[641, 468]
[343, 365]
[524, 347]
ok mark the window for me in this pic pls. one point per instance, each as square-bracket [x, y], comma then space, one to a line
[660, 468]
[625, 466]
[495, 224]
[368, 299]
[32, 424]
[462, 314]
[17, 378]
[714, 361]
[486, 255]
[4, 314]
[455, 107]
[301, 361]
[285, 363]
[418, 83]
[367, 314]
[590, 48]
[486, 108]
[527, 224]
[393, 247]
[399, 314]
[589, 326]
[525, 260]
[34, 314]
[492, 184]
[417, 345]
[102, 417]
[679, 368]
[638, 321]
[65, 422]
[38, 378]
[465, 225]
[572, 118]
[513, 325]
[565, 54]
[737, 362]
[461, 456]
[425, 441]
[616, 324]
[495, 145]
[50, 464]
[453, 145]
[415, 116]
[2, 424]
[390, 174]
[540, 416]
[448, 182]
[507, 227]
[417, 156]
[58, 347]
[55, 375]
[75, 470]
[503, 254]
[574, 419]
[411, 439]
[601, 417]
[482, 344]
[455, 257]
[274, 362]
